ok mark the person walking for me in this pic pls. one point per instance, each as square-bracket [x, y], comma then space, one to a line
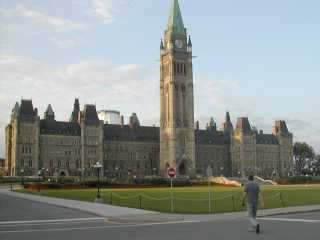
[252, 194]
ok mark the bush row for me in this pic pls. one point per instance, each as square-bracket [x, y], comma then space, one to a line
[299, 180]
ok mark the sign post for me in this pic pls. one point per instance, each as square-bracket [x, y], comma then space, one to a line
[209, 174]
[172, 174]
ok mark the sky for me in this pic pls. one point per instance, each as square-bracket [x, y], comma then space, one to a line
[256, 59]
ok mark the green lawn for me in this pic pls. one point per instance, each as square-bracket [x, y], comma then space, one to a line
[193, 199]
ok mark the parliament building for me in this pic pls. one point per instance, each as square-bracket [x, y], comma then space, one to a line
[73, 148]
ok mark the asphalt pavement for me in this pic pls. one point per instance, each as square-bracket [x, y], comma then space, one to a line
[271, 229]
[26, 219]
[18, 209]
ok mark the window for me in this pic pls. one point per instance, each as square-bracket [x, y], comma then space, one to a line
[78, 163]
[30, 163]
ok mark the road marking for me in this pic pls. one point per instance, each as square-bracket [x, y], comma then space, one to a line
[290, 220]
[94, 228]
[51, 221]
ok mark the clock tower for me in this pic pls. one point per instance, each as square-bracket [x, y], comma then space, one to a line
[177, 134]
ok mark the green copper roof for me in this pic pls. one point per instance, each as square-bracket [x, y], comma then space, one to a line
[175, 20]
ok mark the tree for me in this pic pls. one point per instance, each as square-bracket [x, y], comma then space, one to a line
[316, 165]
[303, 157]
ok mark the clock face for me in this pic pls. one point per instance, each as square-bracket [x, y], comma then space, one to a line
[179, 43]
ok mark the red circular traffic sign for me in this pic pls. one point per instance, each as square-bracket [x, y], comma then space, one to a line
[171, 172]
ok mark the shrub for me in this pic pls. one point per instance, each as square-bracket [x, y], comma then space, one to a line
[298, 180]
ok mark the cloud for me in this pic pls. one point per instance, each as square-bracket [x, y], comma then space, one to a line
[213, 98]
[214, 91]
[298, 125]
[65, 43]
[57, 23]
[128, 88]
[105, 10]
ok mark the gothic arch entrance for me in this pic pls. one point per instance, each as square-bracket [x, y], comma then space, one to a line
[63, 173]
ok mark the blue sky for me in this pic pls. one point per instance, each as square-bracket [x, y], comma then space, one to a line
[259, 59]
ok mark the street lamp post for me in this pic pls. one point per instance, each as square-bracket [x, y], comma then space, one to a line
[106, 174]
[22, 173]
[98, 166]
[79, 172]
[117, 174]
[39, 175]
[273, 175]
[43, 171]
[83, 173]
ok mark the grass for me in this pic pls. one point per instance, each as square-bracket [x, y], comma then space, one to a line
[193, 200]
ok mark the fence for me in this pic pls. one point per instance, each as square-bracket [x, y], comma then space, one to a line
[176, 204]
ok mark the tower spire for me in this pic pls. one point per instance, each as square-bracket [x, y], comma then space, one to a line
[175, 23]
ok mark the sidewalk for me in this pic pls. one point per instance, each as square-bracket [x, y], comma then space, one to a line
[130, 215]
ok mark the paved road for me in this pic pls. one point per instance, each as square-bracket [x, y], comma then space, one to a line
[24, 219]
[17, 209]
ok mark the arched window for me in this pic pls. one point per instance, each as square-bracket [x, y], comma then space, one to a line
[182, 169]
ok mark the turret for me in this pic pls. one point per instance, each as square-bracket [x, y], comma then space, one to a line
[49, 113]
[243, 148]
[76, 110]
[227, 126]
[189, 44]
[243, 125]
[280, 128]
[285, 139]
[90, 115]
[162, 50]
[26, 111]
[211, 126]
[134, 121]
[23, 133]
[15, 111]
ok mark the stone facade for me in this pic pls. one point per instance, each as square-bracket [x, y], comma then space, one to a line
[2, 164]
[73, 148]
